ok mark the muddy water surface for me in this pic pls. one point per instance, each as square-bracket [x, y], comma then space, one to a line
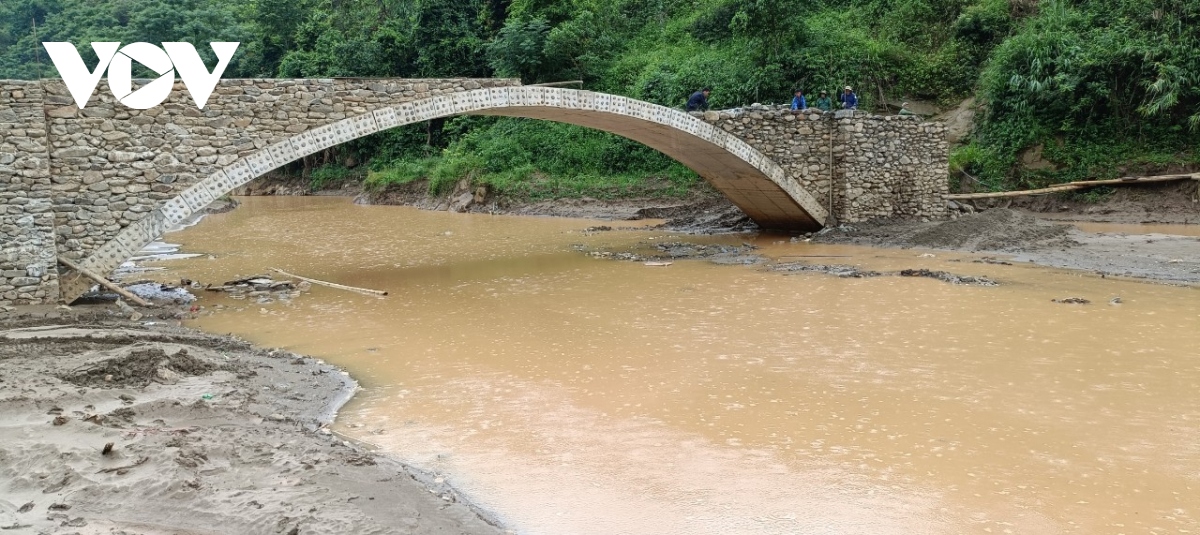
[575, 395]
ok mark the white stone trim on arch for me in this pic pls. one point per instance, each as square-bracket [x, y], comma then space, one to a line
[623, 116]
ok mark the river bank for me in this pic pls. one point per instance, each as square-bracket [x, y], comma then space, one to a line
[123, 426]
[703, 210]
[1027, 238]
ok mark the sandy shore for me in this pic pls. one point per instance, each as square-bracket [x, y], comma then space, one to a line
[1024, 237]
[208, 435]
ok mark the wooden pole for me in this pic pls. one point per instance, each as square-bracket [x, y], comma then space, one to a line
[330, 284]
[105, 282]
[556, 84]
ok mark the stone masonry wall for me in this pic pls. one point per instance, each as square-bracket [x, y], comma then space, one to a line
[28, 273]
[883, 166]
[112, 165]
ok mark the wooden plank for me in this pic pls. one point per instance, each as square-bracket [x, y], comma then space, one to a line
[104, 282]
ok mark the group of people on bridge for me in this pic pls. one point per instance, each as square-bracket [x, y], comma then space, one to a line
[847, 100]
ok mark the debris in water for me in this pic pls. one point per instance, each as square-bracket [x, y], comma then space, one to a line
[1071, 301]
[948, 277]
[657, 264]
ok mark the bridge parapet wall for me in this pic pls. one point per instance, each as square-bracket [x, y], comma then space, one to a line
[882, 166]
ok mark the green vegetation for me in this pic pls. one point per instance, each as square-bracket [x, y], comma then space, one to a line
[1098, 87]
[330, 175]
[528, 160]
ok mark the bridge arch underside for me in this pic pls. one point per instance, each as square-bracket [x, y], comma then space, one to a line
[752, 181]
[750, 187]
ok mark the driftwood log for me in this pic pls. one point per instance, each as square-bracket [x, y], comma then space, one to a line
[1071, 186]
[330, 284]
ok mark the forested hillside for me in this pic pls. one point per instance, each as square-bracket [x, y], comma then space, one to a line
[1097, 87]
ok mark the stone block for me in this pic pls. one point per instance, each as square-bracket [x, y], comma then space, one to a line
[463, 102]
[175, 210]
[239, 172]
[151, 227]
[108, 256]
[552, 97]
[219, 183]
[586, 100]
[569, 99]
[363, 125]
[323, 137]
[284, 152]
[442, 106]
[618, 105]
[498, 97]
[197, 197]
[260, 163]
[603, 102]
[386, 118]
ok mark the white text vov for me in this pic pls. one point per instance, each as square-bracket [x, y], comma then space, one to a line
[118, 60]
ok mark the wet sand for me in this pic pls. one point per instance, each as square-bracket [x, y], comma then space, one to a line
[1027, 238]
[208, 435]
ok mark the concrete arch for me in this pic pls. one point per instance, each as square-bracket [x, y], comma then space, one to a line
[751, 180]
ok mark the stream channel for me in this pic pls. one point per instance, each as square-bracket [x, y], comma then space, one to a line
[576, 394]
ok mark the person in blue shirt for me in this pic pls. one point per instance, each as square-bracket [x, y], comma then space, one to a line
[798, 102]
[699, 100]
[848, 99]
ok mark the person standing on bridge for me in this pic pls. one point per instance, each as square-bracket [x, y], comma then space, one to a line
[699, 100]
[848, 99]
[798, 102]
[823, 102]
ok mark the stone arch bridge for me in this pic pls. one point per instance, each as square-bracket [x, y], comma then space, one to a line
[96, 185]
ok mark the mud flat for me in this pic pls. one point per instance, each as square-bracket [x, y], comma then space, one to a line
[1026, 238]
[112, 426]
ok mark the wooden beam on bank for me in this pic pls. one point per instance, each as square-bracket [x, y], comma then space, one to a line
[105, 282]
[1072, 186]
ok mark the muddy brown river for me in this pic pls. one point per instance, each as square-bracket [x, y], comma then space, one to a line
[577, 395]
